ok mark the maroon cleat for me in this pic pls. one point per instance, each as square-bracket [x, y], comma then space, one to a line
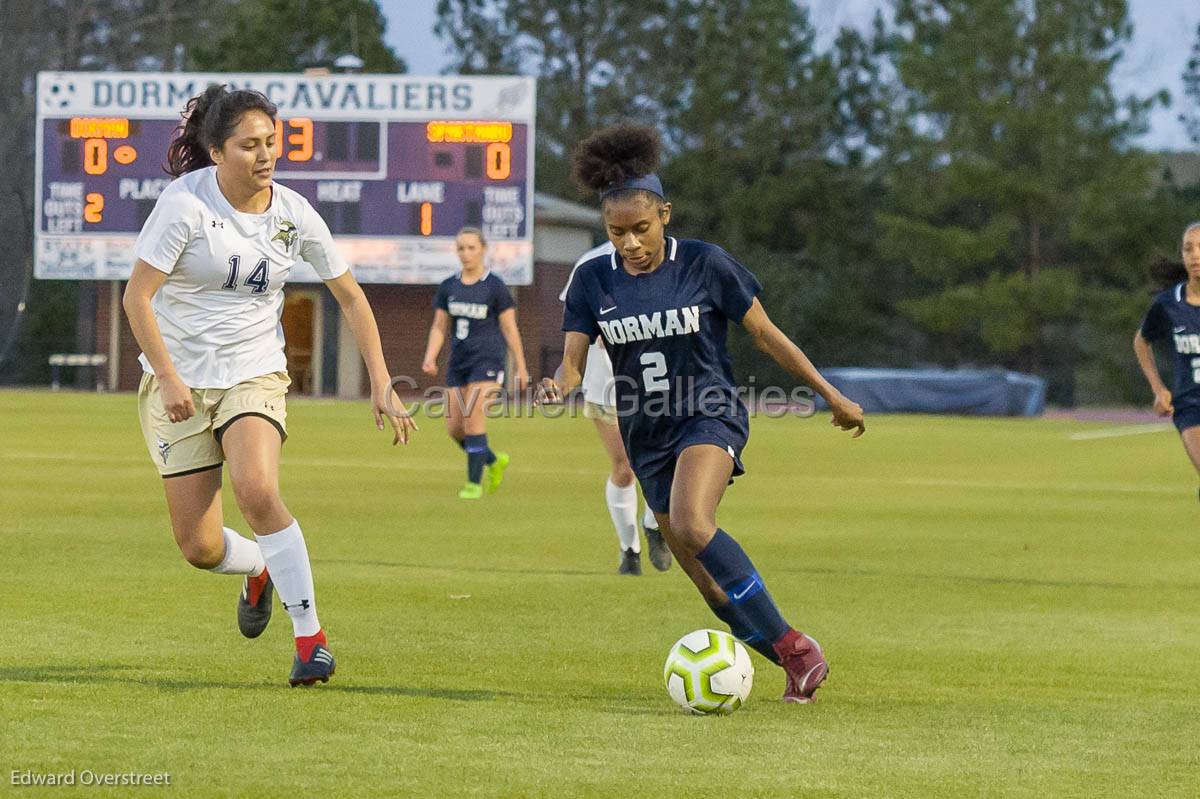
[805, 664]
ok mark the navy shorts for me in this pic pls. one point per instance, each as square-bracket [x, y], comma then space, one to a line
[1186, 417]
[475, 373]
[728, 434]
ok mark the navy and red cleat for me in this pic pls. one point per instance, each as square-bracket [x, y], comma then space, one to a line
[254, 604]
[805, 665]
[314, 662]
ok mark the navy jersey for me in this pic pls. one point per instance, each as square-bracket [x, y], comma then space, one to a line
[665, 333]
[1173, 320]
[474, 318]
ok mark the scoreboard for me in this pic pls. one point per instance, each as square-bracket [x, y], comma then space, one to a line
[395, 164]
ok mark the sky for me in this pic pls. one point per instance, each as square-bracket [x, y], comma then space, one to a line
[1164, 31]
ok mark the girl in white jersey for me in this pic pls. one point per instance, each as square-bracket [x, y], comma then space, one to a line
[620, 492]
[204, 303]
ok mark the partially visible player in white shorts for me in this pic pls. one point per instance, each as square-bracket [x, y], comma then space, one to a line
[204, 303]
[620, 490]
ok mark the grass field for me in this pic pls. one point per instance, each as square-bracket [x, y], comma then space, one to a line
[1007, 612]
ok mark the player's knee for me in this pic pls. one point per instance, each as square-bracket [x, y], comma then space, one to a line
[622, 475]
[203, 553]
[257, 496]
[691, 529]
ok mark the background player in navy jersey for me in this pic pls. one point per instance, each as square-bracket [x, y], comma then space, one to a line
[662, 306]
[1174, 317]
[474, 309]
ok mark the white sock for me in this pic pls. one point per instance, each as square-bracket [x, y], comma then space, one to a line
[622, 506]
[287, 560]
[648, 520]
[242, 556]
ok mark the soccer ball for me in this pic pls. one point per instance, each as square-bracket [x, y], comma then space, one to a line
[708, 672]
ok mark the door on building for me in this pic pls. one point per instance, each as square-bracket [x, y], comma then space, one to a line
[302, 330]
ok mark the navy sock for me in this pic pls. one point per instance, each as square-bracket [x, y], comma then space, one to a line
[477, 451]
[740, 627]
[729, 565]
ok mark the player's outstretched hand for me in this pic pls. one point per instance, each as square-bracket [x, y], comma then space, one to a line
[1163, 405]
[548, 393]
[848, 415]
[384, 402]
[522, 382]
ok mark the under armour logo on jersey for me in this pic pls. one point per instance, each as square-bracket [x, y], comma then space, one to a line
[164, 449]
[217, 223]
[303, 604]
[287, 233]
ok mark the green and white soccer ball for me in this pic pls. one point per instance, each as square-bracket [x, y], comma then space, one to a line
[708, 672]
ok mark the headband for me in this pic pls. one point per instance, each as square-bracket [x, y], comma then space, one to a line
[649, 183]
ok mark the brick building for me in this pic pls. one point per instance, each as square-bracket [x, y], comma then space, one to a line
[322, 356]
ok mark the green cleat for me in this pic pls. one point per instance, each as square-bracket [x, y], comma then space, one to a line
[495, 472]
[470, 491]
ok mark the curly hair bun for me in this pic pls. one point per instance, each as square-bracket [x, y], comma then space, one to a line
[614, 154]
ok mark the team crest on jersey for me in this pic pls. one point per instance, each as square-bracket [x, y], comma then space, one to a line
[287, 233]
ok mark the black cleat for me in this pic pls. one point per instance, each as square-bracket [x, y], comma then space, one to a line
[631, 563]
[318, 667]
[660, 553]
[254, 604]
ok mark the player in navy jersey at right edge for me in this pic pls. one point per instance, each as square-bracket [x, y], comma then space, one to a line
[1174, 317]
[662, 306]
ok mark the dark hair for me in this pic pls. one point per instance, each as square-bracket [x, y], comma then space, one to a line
[615, 154]
[1166, 272]
[208, 120]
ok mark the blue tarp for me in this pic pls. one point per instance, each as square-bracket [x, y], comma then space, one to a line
[975, 392]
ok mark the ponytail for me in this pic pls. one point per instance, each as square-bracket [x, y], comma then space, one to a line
[208, 120]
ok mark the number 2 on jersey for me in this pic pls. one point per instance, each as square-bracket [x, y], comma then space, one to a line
[1196, 371]
[257, 280]
[652, 375]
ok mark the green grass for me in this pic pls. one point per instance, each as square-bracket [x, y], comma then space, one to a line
[1007, 612]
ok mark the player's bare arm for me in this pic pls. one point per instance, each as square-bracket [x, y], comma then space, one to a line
[438, 332]
[847, 415]
[569, 374]
[143, 284]
[384, 401]
[1145, 358]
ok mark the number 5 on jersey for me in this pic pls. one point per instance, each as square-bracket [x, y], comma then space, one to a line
[256, 280]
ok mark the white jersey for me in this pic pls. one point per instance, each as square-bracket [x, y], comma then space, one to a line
[220, 307]
[599, 385]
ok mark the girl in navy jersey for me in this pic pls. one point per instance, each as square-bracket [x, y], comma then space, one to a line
[1174, 318]
[474, 309]
[662, 306]
[204, 303]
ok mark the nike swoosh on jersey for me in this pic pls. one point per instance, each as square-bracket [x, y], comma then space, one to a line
[607, 310]
[1181, 328]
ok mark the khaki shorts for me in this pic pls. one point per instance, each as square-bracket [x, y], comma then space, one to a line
[604, 413]
[193, 445]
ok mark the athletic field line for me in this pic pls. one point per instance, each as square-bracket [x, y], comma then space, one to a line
[409, 465]
[1123, 430]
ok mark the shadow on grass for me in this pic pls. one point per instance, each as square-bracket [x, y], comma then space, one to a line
[121, 674]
